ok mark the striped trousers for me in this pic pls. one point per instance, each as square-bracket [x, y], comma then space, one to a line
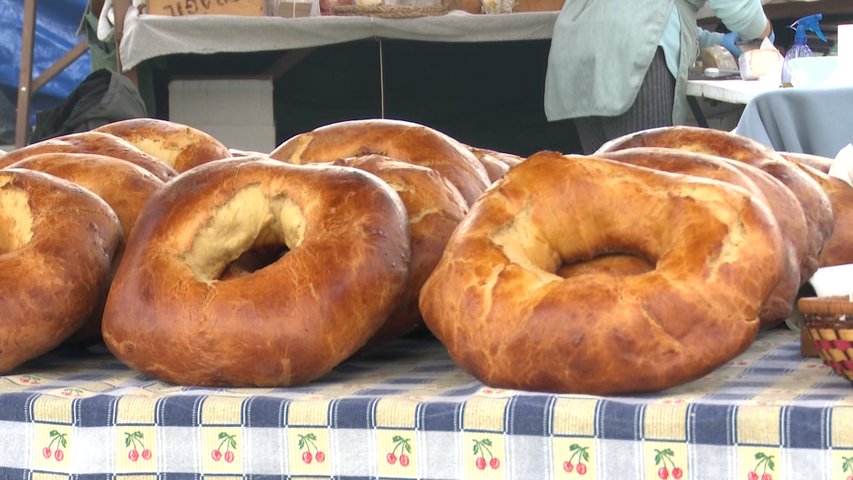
[652, 108]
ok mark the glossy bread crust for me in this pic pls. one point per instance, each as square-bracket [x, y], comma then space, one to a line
[496, 303]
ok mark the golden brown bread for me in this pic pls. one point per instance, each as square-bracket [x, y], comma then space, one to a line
[177, 145]
[403, 141]
[786, 211]
[495, 302]
[344, 244]
[495, 166]
[94, 143]
[434, 209]
[821, 164]
[838, 249]
[58, 241]
[125, 187]
[815, 203]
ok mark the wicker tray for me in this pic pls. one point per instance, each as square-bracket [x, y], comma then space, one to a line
[829, 321]
[390, 11]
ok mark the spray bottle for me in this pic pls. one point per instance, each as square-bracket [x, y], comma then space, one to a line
[800, 48]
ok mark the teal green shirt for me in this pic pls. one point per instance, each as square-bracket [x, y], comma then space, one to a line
[601, 50]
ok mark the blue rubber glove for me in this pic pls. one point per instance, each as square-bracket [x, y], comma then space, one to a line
[730, 42]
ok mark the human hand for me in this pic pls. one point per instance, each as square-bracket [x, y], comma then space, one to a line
[729, 41]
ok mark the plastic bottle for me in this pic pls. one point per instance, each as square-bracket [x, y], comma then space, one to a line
[800, 48]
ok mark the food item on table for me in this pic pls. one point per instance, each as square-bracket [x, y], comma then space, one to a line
[403, 141]
[58, 241]
[814, 201]
[179, 146]
[95, 143]
[838, 249]
[434, 209]
[495, 163]
[761, 64]
[717, 56]
[125, 187]
[340, 265]
[782, 205]
[504, 315]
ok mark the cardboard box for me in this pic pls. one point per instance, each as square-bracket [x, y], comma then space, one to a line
[236, 111]
[292, 9]
[538, 5]
[179, 8]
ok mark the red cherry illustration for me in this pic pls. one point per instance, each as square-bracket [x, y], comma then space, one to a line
[481, 463]
[216, 454]
[663, 473]
[46, 452]
[319, 456]
[391, 458]
[404, 460]
[567, 466]
[494, 463]
[146, 454]
[752, 476]
[307, 457]
[229, 456]
[581, 469]
[133, 455]
[677, 473]
[58, 455]
[767, 476]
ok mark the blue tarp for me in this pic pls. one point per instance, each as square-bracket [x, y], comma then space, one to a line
[57, 22]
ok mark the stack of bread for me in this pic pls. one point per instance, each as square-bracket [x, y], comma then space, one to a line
[638, 268]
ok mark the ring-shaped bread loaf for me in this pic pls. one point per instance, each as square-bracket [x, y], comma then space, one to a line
[815, 202]
[403, 141]
[838, 249]
[94, 143]
[344, 268]
[58, 241]
[434, 208]
[788, 213]
[495, 301]
[125, 187]
[180, 146]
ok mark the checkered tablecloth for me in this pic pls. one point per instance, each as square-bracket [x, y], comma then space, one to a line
[404, 410]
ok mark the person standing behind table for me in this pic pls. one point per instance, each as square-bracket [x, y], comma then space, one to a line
[620, 66]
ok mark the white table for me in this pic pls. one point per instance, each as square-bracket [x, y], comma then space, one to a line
[729, 91]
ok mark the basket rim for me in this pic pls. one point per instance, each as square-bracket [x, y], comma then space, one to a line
[390, 11]
[834, 305]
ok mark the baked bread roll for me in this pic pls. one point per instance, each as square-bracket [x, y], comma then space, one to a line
[786, 212]
[342, 266]
[93, 143]
[495, 301]
[124, 186]
[58, 241]
[178, 146]
[403, 141]
[814, 201]
[434, 209]
[838, 249]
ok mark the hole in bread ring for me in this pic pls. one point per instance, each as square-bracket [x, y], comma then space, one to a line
[170, 312]
[503, 313]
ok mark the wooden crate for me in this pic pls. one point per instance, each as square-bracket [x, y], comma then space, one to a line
[179, 8]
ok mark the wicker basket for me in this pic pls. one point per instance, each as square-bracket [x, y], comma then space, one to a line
[829, 321]
[390, 11]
